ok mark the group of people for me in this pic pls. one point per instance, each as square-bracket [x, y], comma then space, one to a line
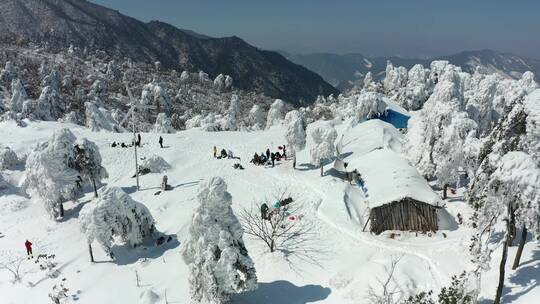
[224, 154]
[137, 143]
[279, 206]
[269, 158]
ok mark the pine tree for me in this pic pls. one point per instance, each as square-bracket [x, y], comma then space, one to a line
[215, 252]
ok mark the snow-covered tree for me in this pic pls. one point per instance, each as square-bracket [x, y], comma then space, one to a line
[231, 120]
[219, 82]
[324, 135]
[204, 78]
[87, 161]
[155, 163]
[48, 174]
[228, 82]
[369, 84]
[275, 114]
[296, 132]
[18, 96]
[154, 94]
[115, 215]
[369, 105]
[99, 118]
[163, 124]
[8, 73]
[442, 115]
[514, 195]
[8, 158]
[395, 79]
[47, 107]
[480, 104]
[417, 90]
[256, 117]
[214, 251]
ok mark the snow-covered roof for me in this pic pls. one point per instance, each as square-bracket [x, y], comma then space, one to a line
[368, 136]
[373, 148]
[388, 177]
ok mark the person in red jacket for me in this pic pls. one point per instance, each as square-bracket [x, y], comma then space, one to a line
[28, 246]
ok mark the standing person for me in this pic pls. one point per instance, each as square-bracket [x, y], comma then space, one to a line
[138, 140]
[284, 152]
[28, 246]
[215, 151]
[161, 142]
[267, 153]
[264, 211]
[273, 157]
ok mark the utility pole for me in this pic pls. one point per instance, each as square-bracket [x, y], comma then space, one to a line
[133, 106]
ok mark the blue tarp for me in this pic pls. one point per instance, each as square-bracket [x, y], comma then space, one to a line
[398, 120]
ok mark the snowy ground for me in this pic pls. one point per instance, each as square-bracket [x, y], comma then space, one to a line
[349, 263]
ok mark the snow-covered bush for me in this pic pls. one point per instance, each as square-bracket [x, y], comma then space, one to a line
[214, 251]
[155, 163]
[275, 114]
[163, 124]
[46, 107]
[8, 158]
[114, 214]
[296, 130]
[48, 174]
[324, 135]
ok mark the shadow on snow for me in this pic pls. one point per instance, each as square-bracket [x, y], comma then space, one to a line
[283, 292]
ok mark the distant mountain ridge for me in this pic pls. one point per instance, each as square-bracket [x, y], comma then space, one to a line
[343, 70]
[56, 24]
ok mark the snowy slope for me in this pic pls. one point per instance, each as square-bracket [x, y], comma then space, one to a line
[350, 262]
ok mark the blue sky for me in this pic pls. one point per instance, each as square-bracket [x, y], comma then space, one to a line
[410, 28]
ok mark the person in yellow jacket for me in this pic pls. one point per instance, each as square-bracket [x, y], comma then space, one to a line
[215, 152]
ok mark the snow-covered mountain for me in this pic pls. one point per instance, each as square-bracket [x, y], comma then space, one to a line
[57, 24]
[343, 70]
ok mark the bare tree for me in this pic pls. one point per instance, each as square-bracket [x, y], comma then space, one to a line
[388, 293]
[282, 229]
[11, 262]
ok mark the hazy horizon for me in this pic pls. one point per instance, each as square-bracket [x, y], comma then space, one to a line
[410, 29]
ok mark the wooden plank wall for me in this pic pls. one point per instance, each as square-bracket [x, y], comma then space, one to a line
[406, 215]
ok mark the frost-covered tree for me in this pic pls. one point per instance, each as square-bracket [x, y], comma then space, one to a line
[115, 215]
[296, 132]
[229, 82]
[87, 161]
[395, 79]
[449, 153]
[219, 82]
[98, 119]
[441, 115]
[48, 172]
[231, 120]
[204, 78]
[214, 251]
[323, 135]
[163, 124]
[8, 73]
[417, 90]
[480, 104]
[154, 94]
[256, 117]
[369, 85]
[8, 158]
[514, 195]
[369, 105]
[18, 96]
[275, 114]
[47, 107]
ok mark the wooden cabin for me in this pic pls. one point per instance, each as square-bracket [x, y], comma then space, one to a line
[398, 197]
[406, 214]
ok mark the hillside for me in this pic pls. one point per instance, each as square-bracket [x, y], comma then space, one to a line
[57, 24]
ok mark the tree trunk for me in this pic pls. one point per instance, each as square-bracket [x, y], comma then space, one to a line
[95, 189]
[61, 209]
[512, 228]
[91, 253]
[445, 191]
[502, 266]
[320, 162]
[272, 246]
[520, 248]
[294, 162]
